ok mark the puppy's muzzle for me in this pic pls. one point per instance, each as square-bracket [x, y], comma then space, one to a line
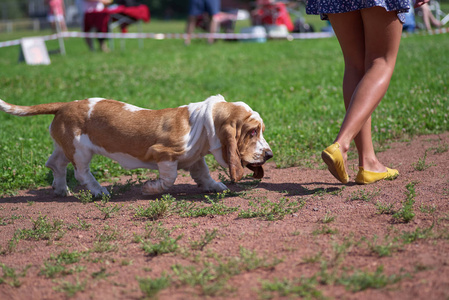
[257, 167]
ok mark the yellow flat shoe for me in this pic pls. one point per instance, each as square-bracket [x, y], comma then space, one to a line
[367, 177]
[334, 160]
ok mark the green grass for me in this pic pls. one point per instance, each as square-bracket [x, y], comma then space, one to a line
[363, 195]
[156, 209]
[295, 86]
[150, 287]
[406, 212]
[271, 210]
[42, 229]
[10, 275]
[306, 288]
[166, 245]
[362, 280]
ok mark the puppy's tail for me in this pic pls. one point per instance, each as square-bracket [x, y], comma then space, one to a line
[40, 109]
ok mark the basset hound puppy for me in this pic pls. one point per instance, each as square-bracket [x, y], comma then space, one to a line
[165, 140]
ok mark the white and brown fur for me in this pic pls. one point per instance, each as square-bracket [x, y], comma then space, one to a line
[167, 140]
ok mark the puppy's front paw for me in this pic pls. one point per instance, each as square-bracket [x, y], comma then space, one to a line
[214, 186]
[98, 193]
[152, 187]
[63, 192]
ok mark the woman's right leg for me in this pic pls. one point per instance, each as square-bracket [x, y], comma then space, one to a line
[371, 35]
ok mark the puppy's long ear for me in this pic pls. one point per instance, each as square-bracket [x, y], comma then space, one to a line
[228, 139]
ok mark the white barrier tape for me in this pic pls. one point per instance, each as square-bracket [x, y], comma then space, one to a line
[428, 32]
[9, 43]
[223, 36]
[163, 36]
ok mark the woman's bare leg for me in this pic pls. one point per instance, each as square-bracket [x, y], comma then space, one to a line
[428, 17]
[369, 39]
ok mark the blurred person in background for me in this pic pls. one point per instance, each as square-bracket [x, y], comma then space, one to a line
[196, 9]
[56, 15]
[427, 17]
[89, 6]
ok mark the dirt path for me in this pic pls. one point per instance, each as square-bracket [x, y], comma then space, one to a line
[328, 241]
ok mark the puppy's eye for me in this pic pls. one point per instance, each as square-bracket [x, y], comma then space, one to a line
[253, 133]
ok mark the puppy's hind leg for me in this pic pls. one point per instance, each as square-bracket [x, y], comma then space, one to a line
[58, 164]
[168, 170]
[200, 173]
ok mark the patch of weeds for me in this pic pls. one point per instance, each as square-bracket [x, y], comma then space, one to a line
[70, 289]
[384, 209]
[212, 278]
[105, 198]
[204, 241]
[104, 246]
[217, 196]
[410, 237]
[446, 191]
[85, 196]
[14, 217]
[11, 277]
[421, 164]
[385, 249]
[427, 209]
[327, 218]
[152, 230]
[151, 287]
[156, 209]
[250, 260]
[108, 210]
[67, 257]
[83, 225]
[102, 274]
[405, 213]
[303, 287]
[166, 245]
[30, 203]
[195, 210]
[271, 211]
[250, 184]
[57, 264]
[126, 262]
[313, 258]
[42, 230]
[441, 148]
[324, 230]
[246, 261]
[52, 270]
[339, 252]
[362, 280]
[123, 188]
[109, 234]
[336, 192]
[363, 195]
[226, 178]
[320, 192]
[206, 278]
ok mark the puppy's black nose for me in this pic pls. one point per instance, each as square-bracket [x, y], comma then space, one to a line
[268, 154]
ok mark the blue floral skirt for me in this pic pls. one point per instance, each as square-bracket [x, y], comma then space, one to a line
[324, 7]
